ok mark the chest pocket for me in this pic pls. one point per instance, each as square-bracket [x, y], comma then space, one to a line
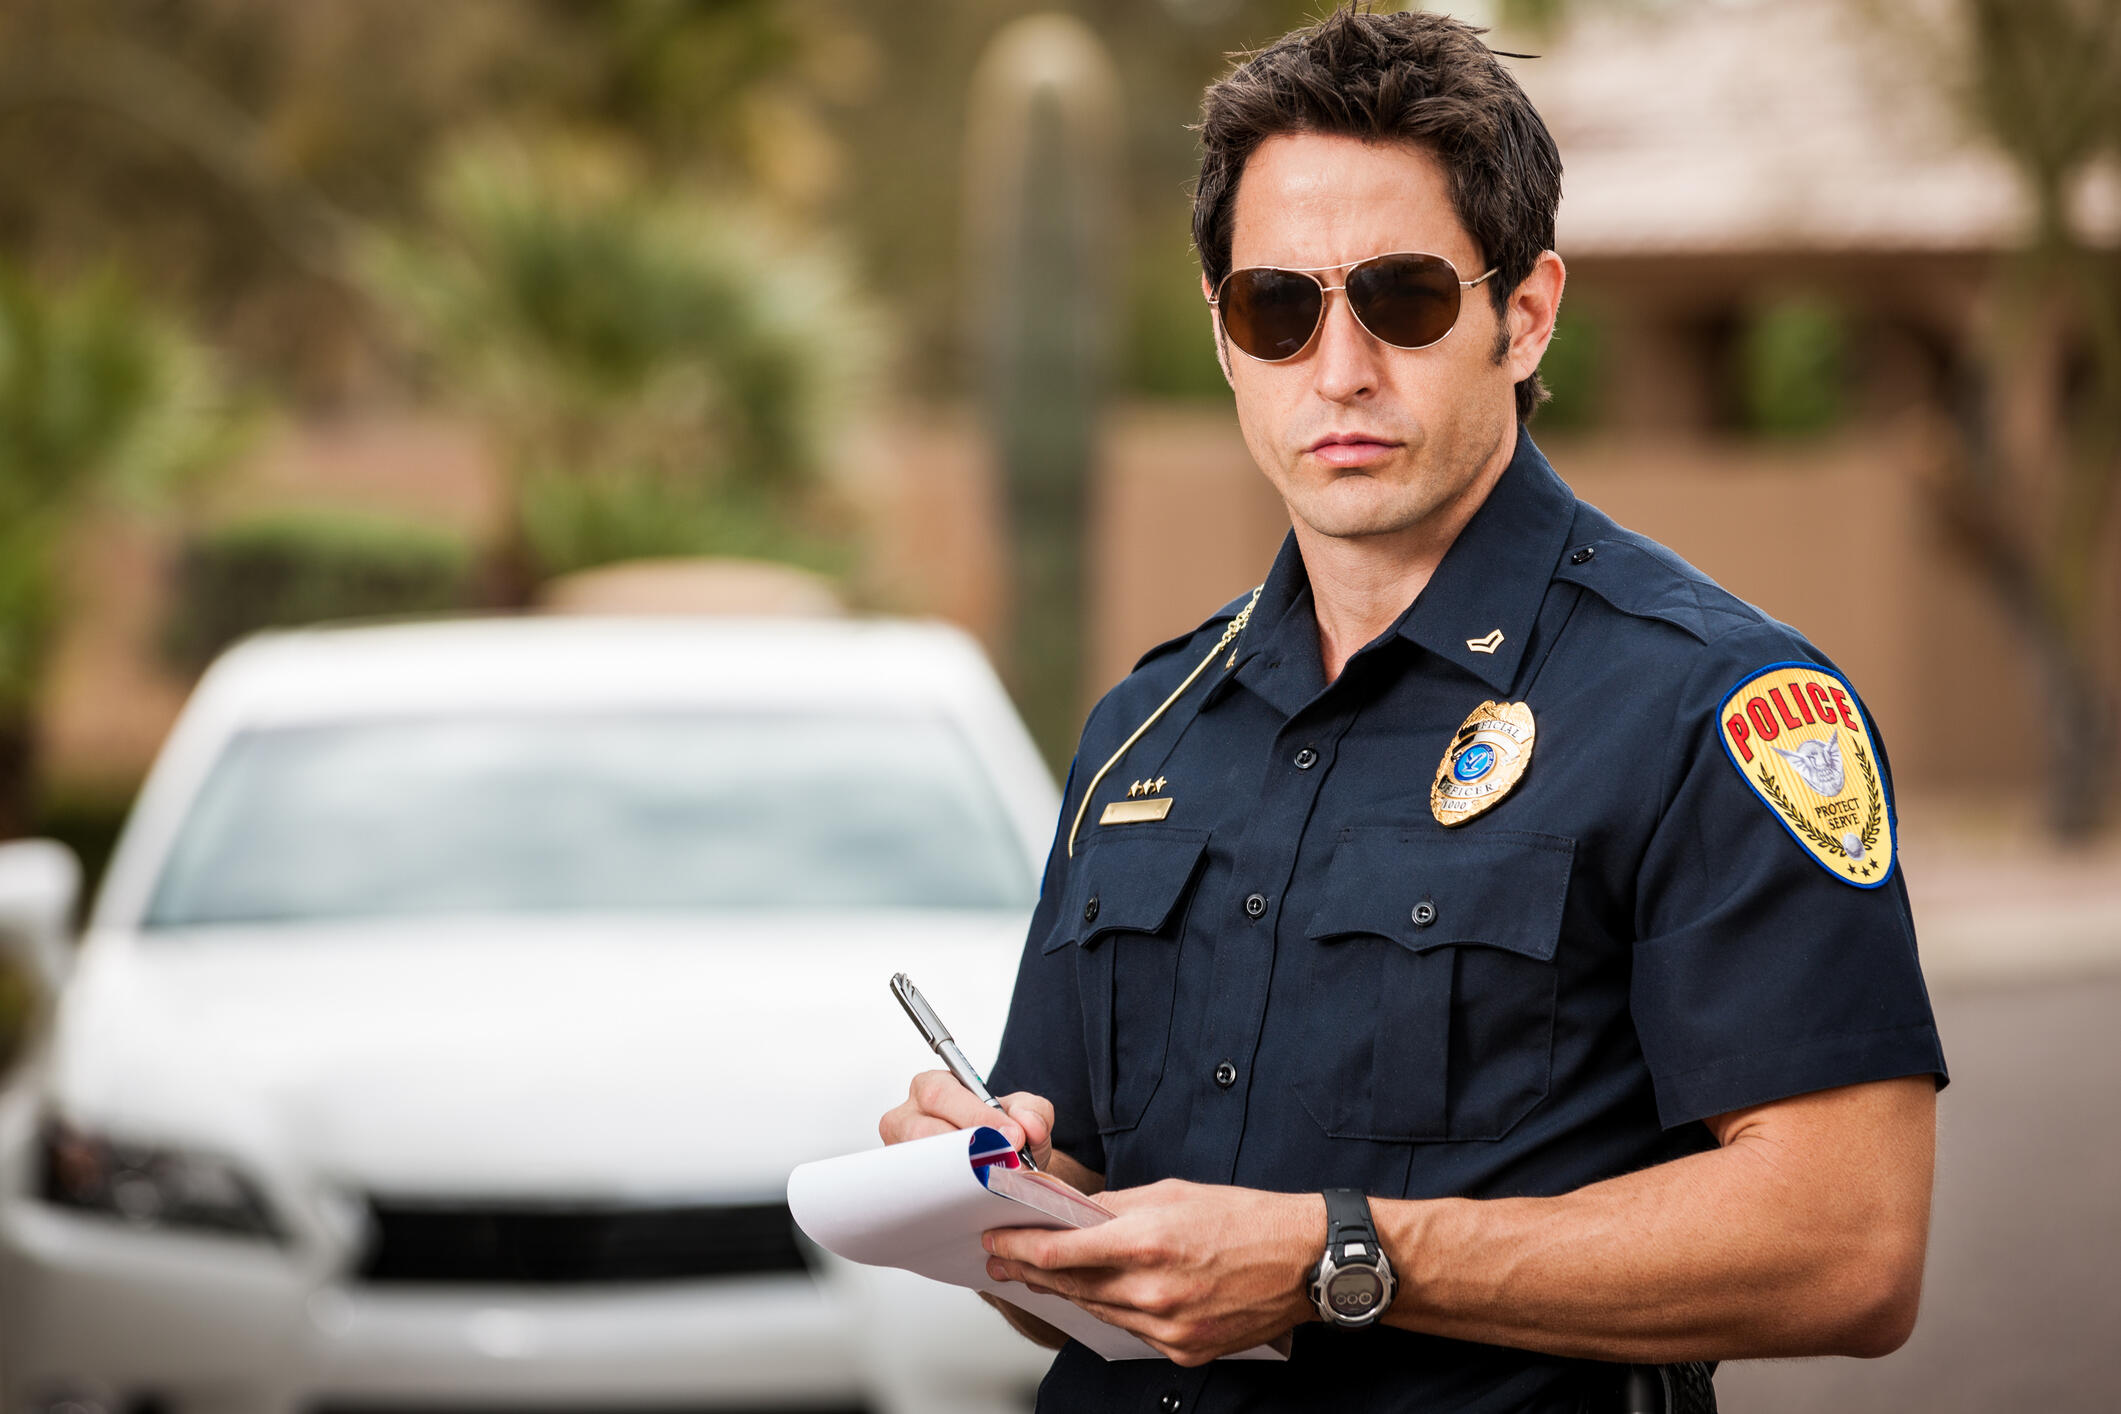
[1124, 914]
[1433, 982]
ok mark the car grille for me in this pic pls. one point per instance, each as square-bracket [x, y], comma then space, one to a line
[525, 1244]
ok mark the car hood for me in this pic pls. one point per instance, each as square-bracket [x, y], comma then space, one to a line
[592, 1058]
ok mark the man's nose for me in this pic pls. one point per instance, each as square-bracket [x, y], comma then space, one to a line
[1348, 357]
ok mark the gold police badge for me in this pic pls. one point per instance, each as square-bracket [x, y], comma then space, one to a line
[1798, 736]
[1486, 757]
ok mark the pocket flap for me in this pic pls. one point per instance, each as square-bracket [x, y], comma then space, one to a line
[1428, 888]
[1127, 881]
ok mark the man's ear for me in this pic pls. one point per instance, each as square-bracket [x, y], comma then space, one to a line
[1531, 312]
[1215, 331]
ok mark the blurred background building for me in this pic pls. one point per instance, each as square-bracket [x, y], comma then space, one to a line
[312, 312]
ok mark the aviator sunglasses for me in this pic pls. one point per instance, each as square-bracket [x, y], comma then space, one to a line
[1407, 299]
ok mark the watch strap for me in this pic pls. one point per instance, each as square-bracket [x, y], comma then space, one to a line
[1348, 1220]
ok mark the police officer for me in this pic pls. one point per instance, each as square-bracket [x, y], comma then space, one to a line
[1479, 950]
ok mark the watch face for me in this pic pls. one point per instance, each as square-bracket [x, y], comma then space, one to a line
[1354, 1292]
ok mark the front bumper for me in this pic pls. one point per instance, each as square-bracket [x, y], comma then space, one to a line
[184, 1324]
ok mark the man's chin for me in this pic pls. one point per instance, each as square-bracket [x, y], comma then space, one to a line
[1357, 521]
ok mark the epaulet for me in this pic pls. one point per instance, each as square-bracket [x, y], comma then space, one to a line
[1640, 577]
[1223, 615]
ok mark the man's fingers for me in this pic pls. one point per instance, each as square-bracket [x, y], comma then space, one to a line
[1035, 1114]
[1150, 1294]
[1056, 1251]
[937, 1104]
[1081, 1284]
[1174, 1340]
[1154, 1330]
[906, 1123]
[937, 1092]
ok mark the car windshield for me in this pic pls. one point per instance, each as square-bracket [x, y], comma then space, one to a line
[662, 812]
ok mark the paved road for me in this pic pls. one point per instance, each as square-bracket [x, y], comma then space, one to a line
[2021, 1305]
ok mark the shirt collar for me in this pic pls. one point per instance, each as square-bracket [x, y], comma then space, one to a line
[1277, 656]
[1486, 591]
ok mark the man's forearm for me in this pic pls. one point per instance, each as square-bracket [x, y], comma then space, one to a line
[1748, 1250]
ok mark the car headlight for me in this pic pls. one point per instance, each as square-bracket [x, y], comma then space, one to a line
[154, 1189]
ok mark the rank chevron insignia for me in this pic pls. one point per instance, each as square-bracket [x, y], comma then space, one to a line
[1487, 642]
[1799, 738]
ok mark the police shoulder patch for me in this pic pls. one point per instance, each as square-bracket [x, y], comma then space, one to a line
[1800, 739]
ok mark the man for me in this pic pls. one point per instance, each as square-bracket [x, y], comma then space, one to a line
[1487, 861]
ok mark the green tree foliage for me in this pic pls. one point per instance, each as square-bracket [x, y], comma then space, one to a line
[101, 401]
[226, 152]
[661, 368]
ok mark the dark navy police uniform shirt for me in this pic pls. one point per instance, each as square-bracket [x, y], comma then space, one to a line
[1300, 980]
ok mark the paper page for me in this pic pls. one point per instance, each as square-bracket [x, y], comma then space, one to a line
[922, 1206]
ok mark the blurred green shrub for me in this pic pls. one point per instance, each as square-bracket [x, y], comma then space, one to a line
[102, 402]
[663, 370]
[1792, 368]
[1570, 370]
[574, 522]
[298, 567]
[1170, 348]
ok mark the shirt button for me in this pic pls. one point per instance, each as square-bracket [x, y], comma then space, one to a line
[1306, 759]
[1226, 1075]
[1424, 914]
[1090, 910]
[1583, 555]
[1255, 905]
[1170, 1403]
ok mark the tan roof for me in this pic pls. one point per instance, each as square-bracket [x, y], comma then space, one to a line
[1768, 125]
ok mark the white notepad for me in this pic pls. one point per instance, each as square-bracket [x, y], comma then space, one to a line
[923, 1205]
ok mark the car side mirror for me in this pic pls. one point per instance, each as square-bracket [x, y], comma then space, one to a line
[39, 882]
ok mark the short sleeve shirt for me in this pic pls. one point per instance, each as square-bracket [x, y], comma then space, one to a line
[1294, 976]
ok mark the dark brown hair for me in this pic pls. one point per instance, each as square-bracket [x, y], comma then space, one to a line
[1408, 77]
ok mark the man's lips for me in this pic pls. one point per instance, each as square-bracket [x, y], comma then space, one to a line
[1350, 448]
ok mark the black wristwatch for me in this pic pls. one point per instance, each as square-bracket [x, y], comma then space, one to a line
[1354, 1282]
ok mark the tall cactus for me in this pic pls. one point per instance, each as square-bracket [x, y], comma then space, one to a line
[1042, 209]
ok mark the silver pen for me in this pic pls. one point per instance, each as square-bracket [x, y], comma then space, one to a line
[937, 1036]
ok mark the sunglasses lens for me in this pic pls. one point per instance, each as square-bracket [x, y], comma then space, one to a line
[1270, 313]
[1409, 301]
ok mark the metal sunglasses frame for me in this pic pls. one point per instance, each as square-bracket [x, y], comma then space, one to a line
[1324, 289]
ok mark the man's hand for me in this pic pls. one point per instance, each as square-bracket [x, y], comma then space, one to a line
[937, 1104]
[1195, 1271]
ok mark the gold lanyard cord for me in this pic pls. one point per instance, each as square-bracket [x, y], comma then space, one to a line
[1237, 626]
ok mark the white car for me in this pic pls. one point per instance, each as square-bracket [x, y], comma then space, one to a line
[460, 996]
